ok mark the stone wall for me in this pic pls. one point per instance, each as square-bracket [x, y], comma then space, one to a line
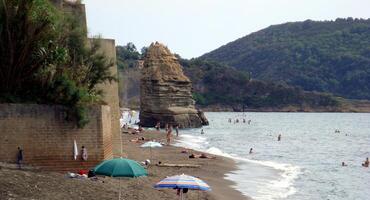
[110, 94]
[44, 134]
[110, 90]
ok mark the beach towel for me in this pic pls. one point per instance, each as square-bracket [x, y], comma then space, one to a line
[75, 150]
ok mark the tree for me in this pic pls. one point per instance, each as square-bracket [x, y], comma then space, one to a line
[46, 58]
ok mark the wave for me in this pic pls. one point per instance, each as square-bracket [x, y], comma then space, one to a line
[261, 180]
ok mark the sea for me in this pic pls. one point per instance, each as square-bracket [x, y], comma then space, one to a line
[305, 164]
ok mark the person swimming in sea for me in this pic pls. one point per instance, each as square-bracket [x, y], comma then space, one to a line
[251, 151]
[279, 137]
[366, 163]
[202, 132]
[344, 164]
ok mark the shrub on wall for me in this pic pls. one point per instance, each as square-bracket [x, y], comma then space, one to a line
[46, 58]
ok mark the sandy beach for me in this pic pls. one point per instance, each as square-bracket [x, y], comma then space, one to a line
[37, 184]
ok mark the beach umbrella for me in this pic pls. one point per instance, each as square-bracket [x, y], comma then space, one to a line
[151, 145]
[75, 150]
[182, 182]
[120, 167]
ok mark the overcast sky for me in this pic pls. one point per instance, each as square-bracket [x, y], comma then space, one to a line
[194, 27]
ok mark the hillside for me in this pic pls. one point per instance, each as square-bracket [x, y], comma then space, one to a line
[235, 92]
[327, 56]
[222, 86]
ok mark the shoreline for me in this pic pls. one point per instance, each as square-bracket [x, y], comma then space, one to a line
[213, 171]
[35, 183]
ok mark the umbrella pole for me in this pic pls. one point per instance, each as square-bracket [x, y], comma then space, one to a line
[121, 144]
[150, 154]
[119, 195]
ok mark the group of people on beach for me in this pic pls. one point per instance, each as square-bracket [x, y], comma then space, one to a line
[168, 128]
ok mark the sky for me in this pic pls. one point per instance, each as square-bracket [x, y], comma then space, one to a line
[191, 28]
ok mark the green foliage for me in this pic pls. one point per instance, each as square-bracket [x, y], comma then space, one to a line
[46, 58]
[327, 56]
[127, 56]
[215, 83]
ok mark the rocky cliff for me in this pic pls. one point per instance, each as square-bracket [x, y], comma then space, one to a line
[166, 92]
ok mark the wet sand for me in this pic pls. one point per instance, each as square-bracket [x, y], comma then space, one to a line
[211, 170]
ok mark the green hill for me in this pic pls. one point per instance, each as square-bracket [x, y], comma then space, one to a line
[224, 87]
[324, 56]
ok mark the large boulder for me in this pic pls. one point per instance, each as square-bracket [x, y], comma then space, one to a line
[165, 91]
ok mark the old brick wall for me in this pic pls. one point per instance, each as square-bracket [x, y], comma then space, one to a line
[110, 94]
[45, 136]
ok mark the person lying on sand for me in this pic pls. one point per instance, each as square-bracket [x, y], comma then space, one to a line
[137, 140]
[184, 151]
[202, 155]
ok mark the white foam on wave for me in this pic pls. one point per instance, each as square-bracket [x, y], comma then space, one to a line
[262, 187]
[279, 188]
[192, 142]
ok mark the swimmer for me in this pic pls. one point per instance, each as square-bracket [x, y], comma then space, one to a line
[202, 132]
[366, 163]
[279, 137]
[251, 151]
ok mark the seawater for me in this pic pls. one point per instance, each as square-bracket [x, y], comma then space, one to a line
[305, 164]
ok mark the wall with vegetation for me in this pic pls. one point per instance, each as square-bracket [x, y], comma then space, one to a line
[45, 136]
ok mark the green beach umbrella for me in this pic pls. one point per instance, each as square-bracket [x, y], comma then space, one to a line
[120, 167]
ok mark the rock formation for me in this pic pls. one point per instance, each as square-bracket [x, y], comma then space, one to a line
[165, 92]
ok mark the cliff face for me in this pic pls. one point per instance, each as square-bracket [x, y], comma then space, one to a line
[166, 92]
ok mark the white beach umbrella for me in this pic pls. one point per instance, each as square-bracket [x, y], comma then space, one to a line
[151, 144]
[75, 150]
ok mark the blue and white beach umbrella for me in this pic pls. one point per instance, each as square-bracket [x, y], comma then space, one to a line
[181, 182]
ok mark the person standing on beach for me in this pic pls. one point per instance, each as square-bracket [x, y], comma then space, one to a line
[19, 158]
[84, 153]
[279, 137]
[158, 126]
[169, 133]
[177, 130]
[251, 151]
[166, 127]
